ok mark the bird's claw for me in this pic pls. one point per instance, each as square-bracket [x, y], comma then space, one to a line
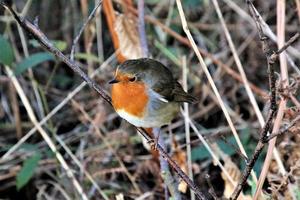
[153, 144]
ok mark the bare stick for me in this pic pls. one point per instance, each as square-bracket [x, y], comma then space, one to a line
[45, 136]
[54, 111]
[186, 42]
[239, 66]
[169, 180]
[82, 29]
[271, 58]
[43, 40]
[209, 77]
[141, 27]
[284, 130]
[280, 26]
[186, 123]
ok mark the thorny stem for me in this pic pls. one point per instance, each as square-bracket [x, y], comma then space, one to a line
[271, 59]
[37, 34]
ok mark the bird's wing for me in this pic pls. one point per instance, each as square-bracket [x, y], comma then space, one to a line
[172, 92]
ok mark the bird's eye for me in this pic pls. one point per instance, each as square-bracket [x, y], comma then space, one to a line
[132, 79]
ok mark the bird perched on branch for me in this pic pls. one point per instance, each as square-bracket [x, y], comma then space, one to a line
[145, 93]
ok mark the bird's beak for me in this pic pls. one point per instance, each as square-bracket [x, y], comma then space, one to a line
[113, 81]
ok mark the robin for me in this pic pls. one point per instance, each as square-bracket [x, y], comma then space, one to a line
[145, 93]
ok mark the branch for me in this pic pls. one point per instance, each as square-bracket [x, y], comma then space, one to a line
[141, 27]
[82, 29]
[37, 34]
[284, 130]
[271, 59]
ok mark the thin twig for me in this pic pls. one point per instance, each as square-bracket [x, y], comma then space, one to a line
[240, 67]
[186, 123]
[271, 58]
[280, 10]
[174, 165]
[186, 42]
[54, 111]
[99, 28]
[169, 180]
[241, 70]
[77, 162]
[267, 127]
[82, 29]
[268, 31]
[288, 43]
[233, 147]
[208, 148]
[284, 130]
[107, 144]
[141, 27]
[208, 75]
[257, 111]
[43, 40]
[44, 134]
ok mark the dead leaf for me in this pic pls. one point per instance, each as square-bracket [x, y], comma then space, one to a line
[128, 36]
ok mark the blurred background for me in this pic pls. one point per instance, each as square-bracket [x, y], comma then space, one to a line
[106, 155]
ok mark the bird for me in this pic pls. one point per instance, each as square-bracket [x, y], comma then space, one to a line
[145, 93]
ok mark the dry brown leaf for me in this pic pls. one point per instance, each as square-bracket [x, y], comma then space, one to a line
[234, 172]
[128, 36]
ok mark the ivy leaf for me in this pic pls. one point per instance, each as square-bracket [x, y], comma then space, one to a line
[32, 61]
[27, 171]
[6, 52]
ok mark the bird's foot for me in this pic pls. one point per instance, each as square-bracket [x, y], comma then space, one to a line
[153, 143]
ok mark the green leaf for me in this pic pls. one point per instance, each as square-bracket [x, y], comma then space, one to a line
[60, 45]
[27, 170]
[32, 61]
[6, 52]
[86, 56]
[200, 152]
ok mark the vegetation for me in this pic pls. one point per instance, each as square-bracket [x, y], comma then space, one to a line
[60, 139]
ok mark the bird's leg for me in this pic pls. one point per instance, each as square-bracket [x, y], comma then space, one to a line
[156, 133]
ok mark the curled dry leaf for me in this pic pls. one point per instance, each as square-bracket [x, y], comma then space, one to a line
[123, 31]
[127, 33]
[235, 174]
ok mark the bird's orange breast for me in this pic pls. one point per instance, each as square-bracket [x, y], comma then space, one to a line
[131, 97]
